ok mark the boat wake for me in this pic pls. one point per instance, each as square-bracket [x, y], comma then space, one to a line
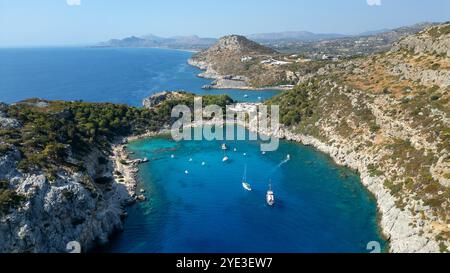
[288, 158]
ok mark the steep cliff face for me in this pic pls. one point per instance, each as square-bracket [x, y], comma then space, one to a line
[391, 126]
[72, 207]
[54, 213]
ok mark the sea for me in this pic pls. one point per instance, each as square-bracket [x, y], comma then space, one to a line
[196, 202]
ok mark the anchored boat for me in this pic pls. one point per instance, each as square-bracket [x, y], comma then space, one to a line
[244, 180]
[270, 197]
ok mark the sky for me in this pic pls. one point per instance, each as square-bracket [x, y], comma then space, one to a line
[83, 22]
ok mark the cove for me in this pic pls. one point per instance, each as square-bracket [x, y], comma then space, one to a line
[320, 207]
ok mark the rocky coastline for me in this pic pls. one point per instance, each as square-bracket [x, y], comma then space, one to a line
[228, 81]
[396, 225]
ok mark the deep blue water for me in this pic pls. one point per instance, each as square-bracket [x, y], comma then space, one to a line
[101, 75]
[319, 207]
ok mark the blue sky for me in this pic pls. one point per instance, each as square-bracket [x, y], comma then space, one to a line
[71, 22]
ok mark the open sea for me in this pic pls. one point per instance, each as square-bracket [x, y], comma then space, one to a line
[195, 207]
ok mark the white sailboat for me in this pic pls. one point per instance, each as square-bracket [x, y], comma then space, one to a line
[244, 181]
[270, 197]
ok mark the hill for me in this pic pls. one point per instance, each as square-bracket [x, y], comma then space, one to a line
[237, 62]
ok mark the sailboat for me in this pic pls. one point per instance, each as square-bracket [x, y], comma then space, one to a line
[244, 180]
[270, 197]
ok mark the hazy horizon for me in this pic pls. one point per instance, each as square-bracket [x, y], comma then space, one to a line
[25, 23]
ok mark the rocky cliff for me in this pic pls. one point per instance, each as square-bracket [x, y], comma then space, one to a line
[53, 213]
[59, 179]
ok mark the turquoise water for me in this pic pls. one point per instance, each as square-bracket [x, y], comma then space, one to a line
[101, 75]
[319, 206]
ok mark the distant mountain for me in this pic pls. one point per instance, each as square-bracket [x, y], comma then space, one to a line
[178, 42]
[347, 45]
[306, 36]
[373, 32]
[293, 36]
[287, 41]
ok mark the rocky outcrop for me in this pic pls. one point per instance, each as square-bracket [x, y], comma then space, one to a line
[432, 40]
[156, 99]
[5, 121]
[426, 76]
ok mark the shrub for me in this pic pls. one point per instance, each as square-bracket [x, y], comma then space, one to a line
[435, 66]
[9, 199]
[435, 97]
[4, 184]
[4, 148]
[373, 170]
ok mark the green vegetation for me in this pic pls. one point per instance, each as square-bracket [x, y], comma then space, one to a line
[51, 133]
[9, 199]
[437, 32]
[374, 171]
[295, 105]
[4, 148]
[164, 110]
[435, 66]
[443, 248]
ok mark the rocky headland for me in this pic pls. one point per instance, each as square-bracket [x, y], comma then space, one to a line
[236, 62]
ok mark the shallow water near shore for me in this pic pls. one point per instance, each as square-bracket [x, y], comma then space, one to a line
[320, 207]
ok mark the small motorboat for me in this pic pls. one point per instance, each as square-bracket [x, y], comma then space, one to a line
[186, 172]
[190, 159]
[203, 163]
[224, 147]
[235, 149]
[172, 156]
[263, 153]
[225, 159]
[245, 96]
[247, 186]
[288, 157]
[270, 197]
